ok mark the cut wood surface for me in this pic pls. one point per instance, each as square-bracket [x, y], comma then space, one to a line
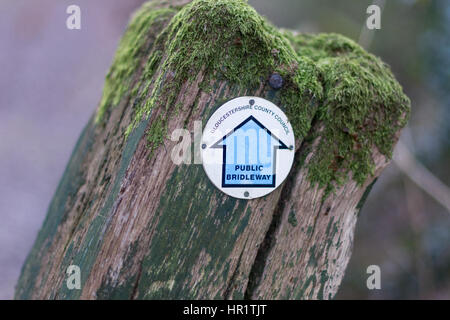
[141, 227]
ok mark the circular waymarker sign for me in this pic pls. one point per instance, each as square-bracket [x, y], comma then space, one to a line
[247, 147]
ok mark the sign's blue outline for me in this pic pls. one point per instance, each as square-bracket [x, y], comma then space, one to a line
[224, 147]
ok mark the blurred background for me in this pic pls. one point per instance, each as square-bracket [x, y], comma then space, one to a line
[51, 80]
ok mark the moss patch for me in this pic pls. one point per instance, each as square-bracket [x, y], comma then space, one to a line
[352, 94]
[224, 39]
[131, 49]
[363, 107]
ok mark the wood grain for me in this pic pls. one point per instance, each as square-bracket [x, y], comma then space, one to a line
[141, 227]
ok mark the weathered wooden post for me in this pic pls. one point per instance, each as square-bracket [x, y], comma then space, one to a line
[141, 227]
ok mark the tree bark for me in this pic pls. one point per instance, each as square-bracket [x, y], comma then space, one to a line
[141, 227]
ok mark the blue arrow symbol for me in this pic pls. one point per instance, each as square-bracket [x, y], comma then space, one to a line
[249, 155]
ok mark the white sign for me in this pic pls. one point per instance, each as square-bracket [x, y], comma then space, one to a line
[248, 147]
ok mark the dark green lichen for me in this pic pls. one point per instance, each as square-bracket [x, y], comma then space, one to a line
[187, 216]
[71, 181]
[292, 219]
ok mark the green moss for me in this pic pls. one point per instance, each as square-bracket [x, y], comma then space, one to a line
[224, 39]
[363, 107]
[329, 78]
[129, 53]
[156, 133]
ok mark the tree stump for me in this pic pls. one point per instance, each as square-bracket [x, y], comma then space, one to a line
[141, 227]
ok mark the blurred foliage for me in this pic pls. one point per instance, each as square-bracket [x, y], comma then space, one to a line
[400, 228]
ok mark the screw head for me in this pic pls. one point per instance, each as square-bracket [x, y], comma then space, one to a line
[246, 194]
[203, 146]
[252, 102]
[276, 81]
